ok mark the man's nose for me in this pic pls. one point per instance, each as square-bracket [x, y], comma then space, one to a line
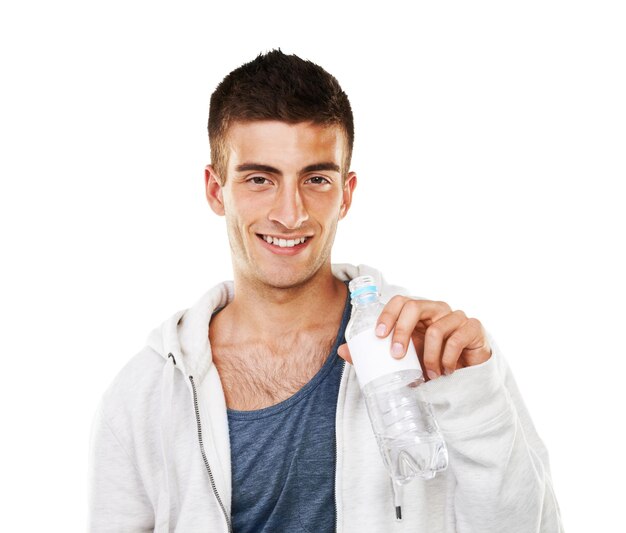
[288, 209]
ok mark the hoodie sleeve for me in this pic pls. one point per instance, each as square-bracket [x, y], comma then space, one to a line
[117, 498]
[499, 463]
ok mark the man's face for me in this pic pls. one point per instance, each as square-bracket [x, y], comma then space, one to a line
[283, 184]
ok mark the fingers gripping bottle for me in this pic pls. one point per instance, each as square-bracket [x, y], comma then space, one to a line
[405, 428]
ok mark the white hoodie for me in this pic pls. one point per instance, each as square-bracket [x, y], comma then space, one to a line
[160, 452]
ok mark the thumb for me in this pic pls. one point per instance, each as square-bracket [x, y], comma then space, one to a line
[344, 352]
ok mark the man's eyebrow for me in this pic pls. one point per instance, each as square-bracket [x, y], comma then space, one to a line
[321, 166]
[259, 167]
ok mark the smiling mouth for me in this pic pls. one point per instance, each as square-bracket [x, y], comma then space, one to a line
[283, 243]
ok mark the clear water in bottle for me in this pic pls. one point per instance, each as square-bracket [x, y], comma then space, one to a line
[406, 430]
[405, 427]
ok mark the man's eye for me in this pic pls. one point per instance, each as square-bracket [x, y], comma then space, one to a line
[258, 180]
[319, 180]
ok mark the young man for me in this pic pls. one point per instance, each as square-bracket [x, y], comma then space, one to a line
[243, 412]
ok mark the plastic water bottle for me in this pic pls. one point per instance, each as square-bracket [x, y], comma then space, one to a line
[403, 422]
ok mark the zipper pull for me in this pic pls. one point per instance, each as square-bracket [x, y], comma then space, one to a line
[398, 492]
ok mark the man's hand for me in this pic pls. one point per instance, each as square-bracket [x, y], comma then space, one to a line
[444, 339]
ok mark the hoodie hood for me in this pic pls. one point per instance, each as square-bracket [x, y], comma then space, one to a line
[185, 335]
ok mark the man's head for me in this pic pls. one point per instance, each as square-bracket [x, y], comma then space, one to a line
[276, 86]
[281, 138]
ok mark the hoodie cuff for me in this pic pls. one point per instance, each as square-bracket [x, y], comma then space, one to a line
[469, 399]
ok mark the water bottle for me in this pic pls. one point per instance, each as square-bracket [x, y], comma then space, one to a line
[403, 422]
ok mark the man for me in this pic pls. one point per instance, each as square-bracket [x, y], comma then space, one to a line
[243, 413]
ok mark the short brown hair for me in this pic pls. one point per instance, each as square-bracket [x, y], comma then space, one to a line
[276, 86]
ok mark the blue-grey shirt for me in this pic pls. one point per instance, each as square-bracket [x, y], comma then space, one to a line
[283, 456]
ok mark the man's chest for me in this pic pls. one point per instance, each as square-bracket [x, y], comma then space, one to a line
[257, 376]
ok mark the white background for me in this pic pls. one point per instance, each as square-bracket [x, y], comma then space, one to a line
[490, 153]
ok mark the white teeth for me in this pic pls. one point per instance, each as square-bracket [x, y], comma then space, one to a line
[283, 243]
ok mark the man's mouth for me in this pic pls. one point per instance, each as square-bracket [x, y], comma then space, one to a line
[282, 242]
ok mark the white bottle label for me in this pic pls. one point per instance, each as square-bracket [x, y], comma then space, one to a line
[371, 356]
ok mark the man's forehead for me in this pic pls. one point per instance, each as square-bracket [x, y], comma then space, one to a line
[278, 138]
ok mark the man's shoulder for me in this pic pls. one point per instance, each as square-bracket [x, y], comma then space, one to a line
[134, 387]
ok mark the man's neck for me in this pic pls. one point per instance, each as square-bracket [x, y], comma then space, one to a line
[261, 312]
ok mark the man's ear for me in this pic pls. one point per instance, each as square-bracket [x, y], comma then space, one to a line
[213, 190]
[348, 188]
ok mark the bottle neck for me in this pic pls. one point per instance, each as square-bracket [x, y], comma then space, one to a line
[365, 300]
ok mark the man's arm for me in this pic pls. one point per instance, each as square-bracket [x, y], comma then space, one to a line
[500, 464]
[117, 498]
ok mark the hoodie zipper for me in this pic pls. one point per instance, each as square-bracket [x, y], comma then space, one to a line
[343, 368]
[398, 509]
[206, 461]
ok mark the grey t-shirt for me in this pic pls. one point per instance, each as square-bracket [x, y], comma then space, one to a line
[283, 456]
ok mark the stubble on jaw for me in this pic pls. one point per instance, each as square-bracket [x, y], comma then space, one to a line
[265, 284]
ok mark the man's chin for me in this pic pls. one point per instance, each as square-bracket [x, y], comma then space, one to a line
[285, 278]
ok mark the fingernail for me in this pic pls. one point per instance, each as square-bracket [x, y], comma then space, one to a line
[432, 374]
[381, 329]
[397, 350]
